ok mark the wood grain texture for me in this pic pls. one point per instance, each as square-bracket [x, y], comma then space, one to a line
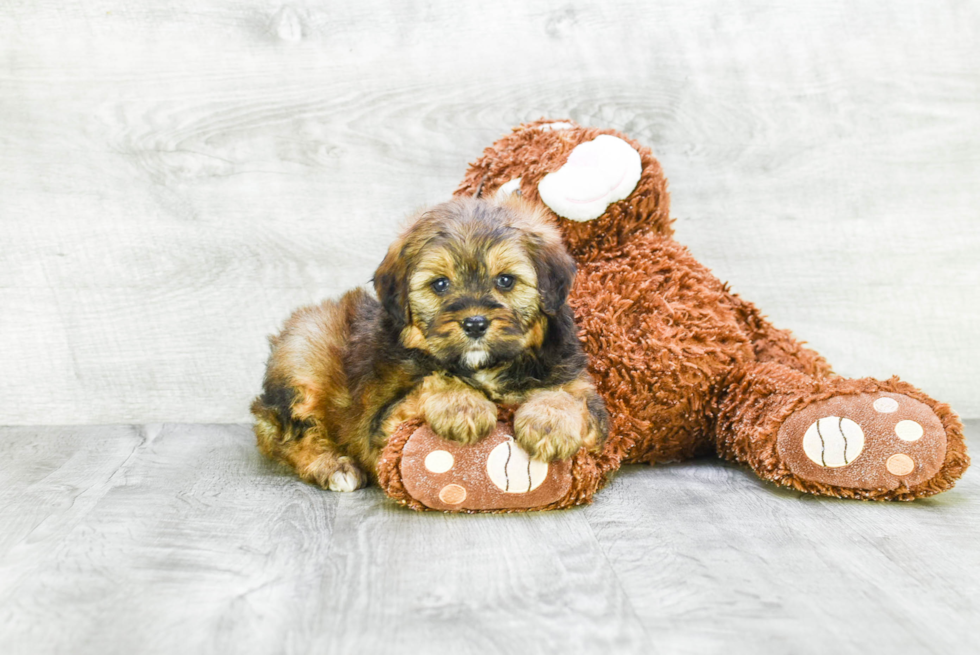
[178, 176]
[182, 539]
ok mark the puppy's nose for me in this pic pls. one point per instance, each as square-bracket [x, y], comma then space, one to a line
[475, 326]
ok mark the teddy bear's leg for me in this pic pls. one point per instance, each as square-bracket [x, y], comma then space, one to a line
[854, 438]
[770, 344]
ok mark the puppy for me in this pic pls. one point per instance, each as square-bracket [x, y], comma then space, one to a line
[472, 311]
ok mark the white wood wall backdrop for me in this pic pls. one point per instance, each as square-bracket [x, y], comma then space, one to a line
[176, 176]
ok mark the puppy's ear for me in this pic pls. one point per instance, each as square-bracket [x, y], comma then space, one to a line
[391, 284]
[554, 266]
[556, 272]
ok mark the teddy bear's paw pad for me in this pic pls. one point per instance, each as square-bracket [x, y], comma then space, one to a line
[491, 475]
[511, 469]
[864, 441]
[597, 174]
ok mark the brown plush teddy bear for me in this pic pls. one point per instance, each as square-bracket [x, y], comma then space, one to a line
[686, 367]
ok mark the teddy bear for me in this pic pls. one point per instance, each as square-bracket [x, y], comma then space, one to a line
[686, 366]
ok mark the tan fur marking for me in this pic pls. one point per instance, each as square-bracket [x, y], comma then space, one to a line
[534, 337]
[509, 257]
[413, 337]
[432, 263]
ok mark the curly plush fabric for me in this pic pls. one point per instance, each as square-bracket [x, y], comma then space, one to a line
[687, 367]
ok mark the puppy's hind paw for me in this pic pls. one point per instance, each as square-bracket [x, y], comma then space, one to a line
[344, 481]
[336, 473]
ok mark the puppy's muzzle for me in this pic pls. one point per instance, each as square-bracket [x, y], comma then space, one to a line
[475, 326]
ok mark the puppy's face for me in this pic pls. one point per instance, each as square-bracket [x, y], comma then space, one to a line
[472, 282]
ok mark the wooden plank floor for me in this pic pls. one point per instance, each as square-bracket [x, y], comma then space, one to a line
[182, 539]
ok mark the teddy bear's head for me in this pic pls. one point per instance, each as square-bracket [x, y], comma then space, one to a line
[601, 186]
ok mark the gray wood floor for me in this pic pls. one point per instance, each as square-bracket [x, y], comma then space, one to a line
[182, 539]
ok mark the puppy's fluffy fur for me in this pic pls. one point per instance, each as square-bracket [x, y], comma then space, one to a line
[472, 312]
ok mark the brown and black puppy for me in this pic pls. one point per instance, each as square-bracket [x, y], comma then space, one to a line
[472, 312]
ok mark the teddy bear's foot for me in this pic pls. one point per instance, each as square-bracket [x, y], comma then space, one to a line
[494, 474]
[866, 441]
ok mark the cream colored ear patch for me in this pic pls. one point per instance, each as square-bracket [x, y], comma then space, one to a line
[833, 441]
[597, 174]
[512, 471]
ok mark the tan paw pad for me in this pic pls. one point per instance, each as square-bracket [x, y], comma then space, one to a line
[452, 494]
[900, 464]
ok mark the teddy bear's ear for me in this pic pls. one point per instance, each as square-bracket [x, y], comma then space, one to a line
[596, 174]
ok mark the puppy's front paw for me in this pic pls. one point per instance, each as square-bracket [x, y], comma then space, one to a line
[551, 425]
[462, 417]
[335, 473]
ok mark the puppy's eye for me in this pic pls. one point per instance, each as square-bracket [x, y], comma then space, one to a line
[505, 282]
[440, 285]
